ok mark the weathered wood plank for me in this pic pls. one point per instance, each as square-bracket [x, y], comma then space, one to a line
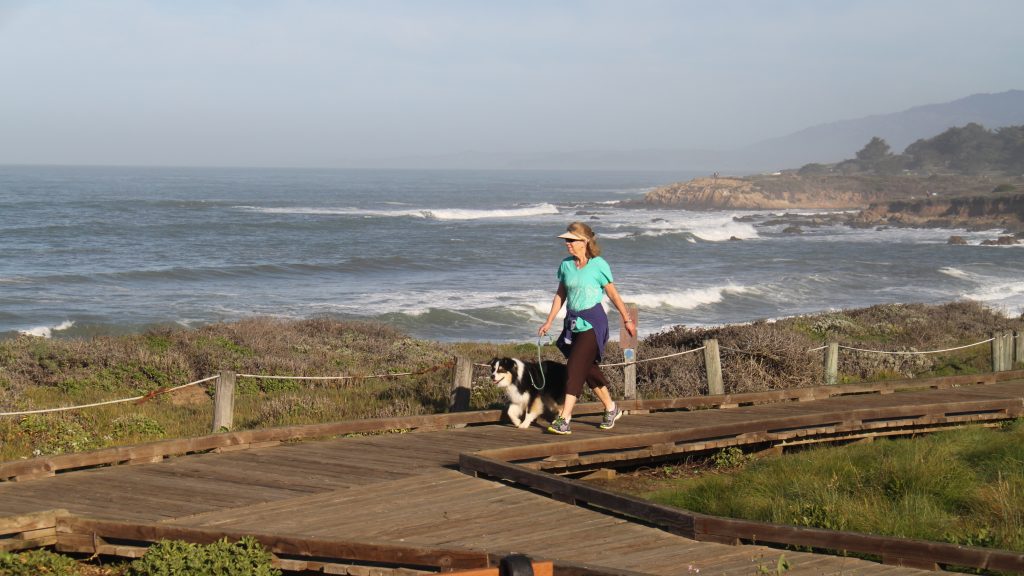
[380, 481]
[282, 544]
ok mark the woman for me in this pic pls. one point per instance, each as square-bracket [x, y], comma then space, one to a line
[583, 280]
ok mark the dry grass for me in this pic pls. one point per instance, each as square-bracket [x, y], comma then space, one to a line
[39, 373]
[771, 355]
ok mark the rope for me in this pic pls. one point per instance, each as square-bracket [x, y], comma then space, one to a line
[652, 359]
[912, 353]
[142, 398]
[623, 363]
[425, 371]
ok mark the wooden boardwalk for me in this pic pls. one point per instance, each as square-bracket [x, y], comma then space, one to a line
[407, 489]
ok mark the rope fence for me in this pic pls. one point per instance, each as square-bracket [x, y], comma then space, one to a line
[367, 377]
[108, 402]
[1006, 352]
[632, 362]
[914, 353]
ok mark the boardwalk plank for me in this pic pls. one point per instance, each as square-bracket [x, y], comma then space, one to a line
[401, 487]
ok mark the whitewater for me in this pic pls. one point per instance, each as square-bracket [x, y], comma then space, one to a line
[445, 255]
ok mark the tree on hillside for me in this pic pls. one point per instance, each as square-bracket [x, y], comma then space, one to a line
[813, 168]
[969, 150]
[1011, 140]
[876, 157]
[873, 152]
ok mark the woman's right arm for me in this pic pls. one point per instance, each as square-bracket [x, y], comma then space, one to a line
[556, 305]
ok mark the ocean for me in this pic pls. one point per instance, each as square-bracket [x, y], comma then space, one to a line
[441, 255]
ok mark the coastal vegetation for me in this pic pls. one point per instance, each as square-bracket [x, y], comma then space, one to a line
[960, 486]
[246, 557]
[971, 150]
[37, 373]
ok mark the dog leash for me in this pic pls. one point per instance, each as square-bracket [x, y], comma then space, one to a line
[540, 366]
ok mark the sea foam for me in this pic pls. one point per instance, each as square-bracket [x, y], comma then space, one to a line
[686, 299]
[47, 331]
[429, 213]
[955, 272]
[710, 227]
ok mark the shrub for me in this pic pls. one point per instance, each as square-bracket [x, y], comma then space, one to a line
[755, 357]
[731, 457]
[247, 557]
[136, 426]
[36, 563]
[57, 434]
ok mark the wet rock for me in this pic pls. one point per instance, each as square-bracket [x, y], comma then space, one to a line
[793, 230]
[957, 240]
[1001, 241]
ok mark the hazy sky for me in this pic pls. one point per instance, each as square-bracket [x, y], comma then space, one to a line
[334, 83]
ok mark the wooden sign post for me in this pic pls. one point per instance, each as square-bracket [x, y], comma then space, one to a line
[628, 344]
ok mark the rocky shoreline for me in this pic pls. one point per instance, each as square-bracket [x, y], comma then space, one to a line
[899, 201]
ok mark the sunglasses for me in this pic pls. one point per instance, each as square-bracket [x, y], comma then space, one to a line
[570, 240]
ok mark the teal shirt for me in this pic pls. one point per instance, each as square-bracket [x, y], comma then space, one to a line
[584, 288]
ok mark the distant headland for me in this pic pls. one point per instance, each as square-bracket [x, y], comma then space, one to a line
[963, 178]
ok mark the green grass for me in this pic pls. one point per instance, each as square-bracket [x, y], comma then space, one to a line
[963, 486]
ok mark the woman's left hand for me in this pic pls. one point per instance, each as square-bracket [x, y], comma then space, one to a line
[630, 327]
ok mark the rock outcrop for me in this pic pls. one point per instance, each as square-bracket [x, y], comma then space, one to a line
[927, 201]
[972, 213]
[829, 191]
[754, 194]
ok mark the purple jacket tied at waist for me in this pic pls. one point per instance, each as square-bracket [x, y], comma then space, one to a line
[597, 318]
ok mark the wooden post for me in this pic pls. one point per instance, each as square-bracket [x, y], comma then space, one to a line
[832, 363]
[1008, 349]
[1018, 351]
[713, 366]
[629, 344]
[996, 353]
[224, 402]
[462, 387]
[1002, 351]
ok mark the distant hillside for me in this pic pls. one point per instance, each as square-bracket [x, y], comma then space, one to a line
[833, 142]
[825, 144]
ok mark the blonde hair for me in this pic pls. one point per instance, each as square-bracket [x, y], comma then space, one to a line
[581, 229]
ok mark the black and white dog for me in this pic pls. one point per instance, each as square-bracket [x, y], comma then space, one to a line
[531, 387]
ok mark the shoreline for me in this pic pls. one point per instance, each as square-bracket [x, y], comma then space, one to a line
[86, 332]
[898, 201]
